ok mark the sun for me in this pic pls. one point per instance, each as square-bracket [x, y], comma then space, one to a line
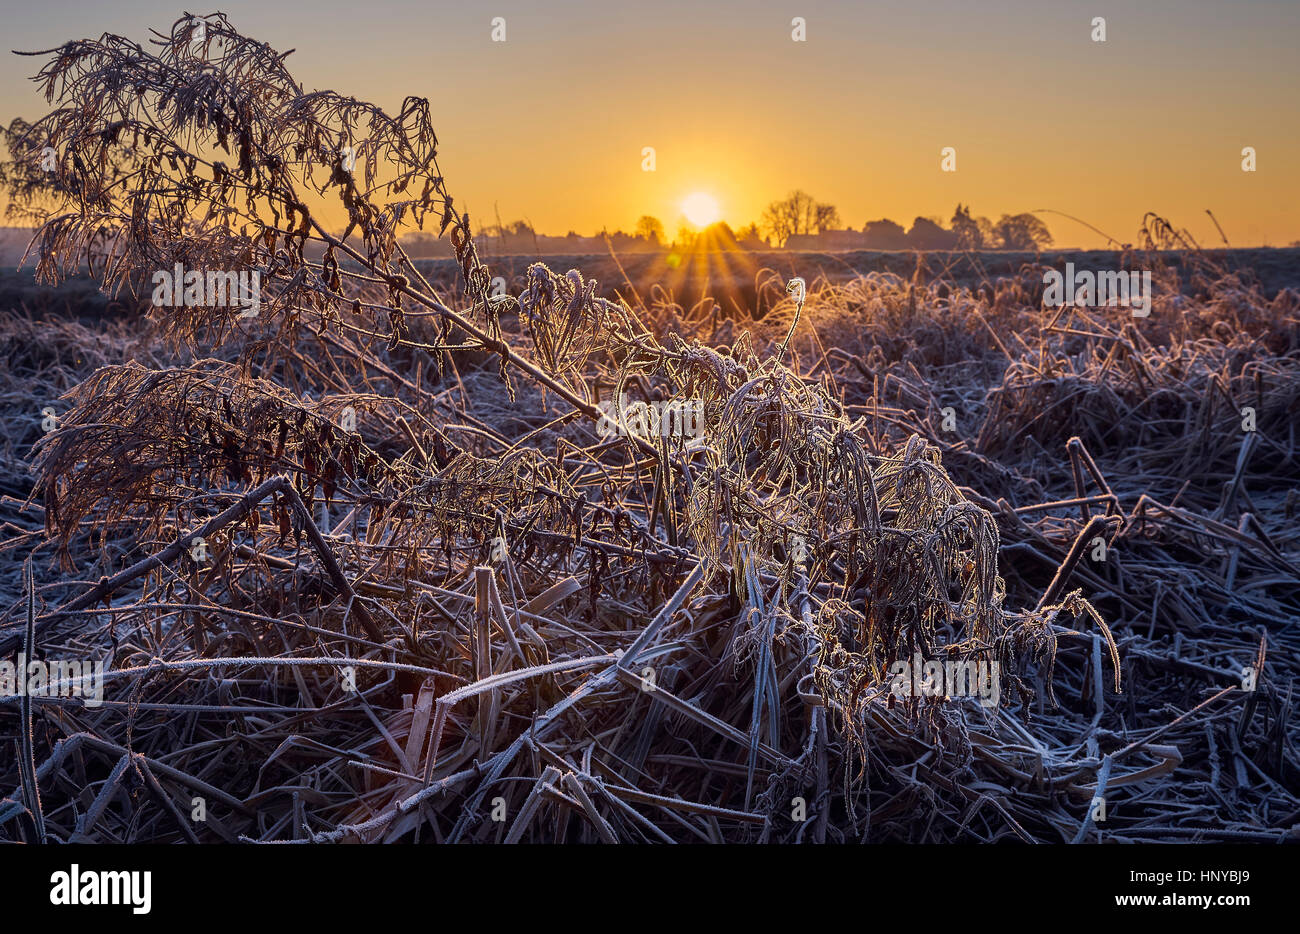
[701, 209]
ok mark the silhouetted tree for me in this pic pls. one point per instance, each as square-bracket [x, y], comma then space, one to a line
[1022, 232]
[750, 236]
[799, 213]
[967, 229]
[651, 229]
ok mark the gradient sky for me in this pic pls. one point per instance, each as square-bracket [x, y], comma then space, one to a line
[549, 125]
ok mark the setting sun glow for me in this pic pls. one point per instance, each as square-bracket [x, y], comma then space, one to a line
[701, 209]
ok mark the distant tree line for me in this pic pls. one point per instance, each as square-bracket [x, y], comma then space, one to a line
[797, 221]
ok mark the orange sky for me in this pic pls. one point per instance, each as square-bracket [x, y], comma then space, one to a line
[550, 125]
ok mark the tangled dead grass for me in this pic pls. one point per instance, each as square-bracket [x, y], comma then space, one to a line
[434, 596]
